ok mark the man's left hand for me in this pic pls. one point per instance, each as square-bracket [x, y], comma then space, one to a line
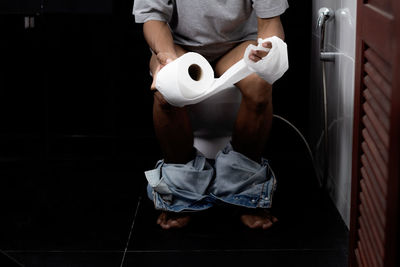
[257, 55]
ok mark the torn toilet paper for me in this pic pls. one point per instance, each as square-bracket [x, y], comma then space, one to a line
[190, 78]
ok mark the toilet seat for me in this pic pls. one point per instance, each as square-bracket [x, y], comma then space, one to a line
[213, 120]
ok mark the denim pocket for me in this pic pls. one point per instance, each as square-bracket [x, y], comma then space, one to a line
[242, 181]
[179, 187]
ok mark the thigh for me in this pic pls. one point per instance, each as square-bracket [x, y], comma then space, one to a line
[232, 57]
[251, 85]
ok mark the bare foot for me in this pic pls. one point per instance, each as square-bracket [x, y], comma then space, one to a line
[169, 220]
[258, 218]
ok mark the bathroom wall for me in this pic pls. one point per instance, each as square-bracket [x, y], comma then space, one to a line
[67, 85]
[57, 6]
[340, 94]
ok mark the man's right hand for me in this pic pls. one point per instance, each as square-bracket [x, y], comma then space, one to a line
[163, 58]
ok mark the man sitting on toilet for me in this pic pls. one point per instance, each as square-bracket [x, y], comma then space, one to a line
[184, 181]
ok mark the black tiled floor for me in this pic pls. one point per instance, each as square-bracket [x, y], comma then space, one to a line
[219, 258]
[7, 260]
[67, 205]
[68, 258]
[310, 231]
[81, 213]
[220, 228]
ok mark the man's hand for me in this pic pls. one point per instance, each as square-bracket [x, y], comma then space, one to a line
[163, 58]
[257, 55]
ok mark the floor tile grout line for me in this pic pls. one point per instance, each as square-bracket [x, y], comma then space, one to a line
[11, 258]
[235, 250]
[64, 251]
[131, 230]
[6, 252]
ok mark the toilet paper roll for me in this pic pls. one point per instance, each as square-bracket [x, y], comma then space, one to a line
[185, 78]
[190, 78]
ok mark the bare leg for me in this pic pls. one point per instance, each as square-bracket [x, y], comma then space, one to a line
[172, 125]
[254, 118]
[175, 135]
[252, 125]
[173, 130]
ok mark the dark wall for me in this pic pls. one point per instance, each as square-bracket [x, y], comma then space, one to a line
[76, 85]
[72, 87]
[20, 6]
[79, 6]
[56, 6]
[292, 90]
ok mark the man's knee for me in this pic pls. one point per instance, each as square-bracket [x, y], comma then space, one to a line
[256, 92]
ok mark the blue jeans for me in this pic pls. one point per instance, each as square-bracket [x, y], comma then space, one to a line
[234, 179]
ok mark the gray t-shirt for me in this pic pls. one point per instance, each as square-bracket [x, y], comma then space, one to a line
[210, 27]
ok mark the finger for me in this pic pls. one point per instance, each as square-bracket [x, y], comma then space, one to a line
[165, 62]
[260, 53]
[164, 59]
[153, 84]
[253, 57]
[267, 45]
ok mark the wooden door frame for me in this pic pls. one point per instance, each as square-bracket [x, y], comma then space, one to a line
[393, 207]
[392, 234]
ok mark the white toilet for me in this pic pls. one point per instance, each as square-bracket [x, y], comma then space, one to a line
[213, 120]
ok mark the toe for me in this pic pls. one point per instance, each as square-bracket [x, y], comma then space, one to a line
[173, 223]
[269, 220]
[246, 220]
[266, 225]
[183, 221]
[260, 219]
[257, 224]
[165, 225]
[171, 220]
[161, 219]
[179, 222]
[250, 221]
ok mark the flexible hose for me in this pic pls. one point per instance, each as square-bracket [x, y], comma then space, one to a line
[305, 142]
[326, 143]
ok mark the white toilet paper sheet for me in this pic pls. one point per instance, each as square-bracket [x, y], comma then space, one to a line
[180, 88]
[274, 65]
